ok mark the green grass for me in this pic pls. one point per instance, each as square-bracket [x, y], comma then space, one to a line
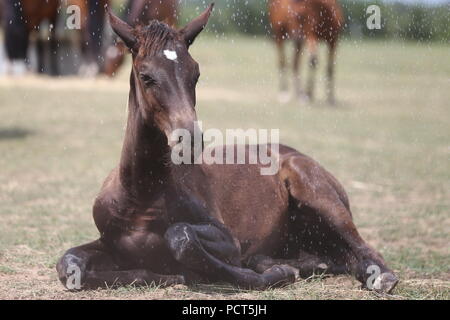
[387, 142]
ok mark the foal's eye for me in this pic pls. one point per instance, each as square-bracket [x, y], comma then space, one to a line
[148, 80]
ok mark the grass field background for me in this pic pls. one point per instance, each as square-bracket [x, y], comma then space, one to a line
[387, 141]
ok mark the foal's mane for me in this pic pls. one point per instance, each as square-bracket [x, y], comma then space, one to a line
[154, 36]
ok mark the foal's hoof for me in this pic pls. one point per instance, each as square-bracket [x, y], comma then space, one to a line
[178, 280]
[280, 275]
[385, 282]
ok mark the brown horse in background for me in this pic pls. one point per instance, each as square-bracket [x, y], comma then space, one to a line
[307, 21]
[22, 19]
[166, 223]
[139, 12]
[91, 34]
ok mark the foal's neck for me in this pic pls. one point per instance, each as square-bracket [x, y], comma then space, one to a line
[144, 152]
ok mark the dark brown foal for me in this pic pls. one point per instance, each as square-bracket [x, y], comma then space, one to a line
[168, 223]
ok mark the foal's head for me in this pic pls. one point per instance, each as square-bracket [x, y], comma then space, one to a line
[164, 73]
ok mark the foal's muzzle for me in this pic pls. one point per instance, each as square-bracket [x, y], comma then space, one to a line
[190, 140]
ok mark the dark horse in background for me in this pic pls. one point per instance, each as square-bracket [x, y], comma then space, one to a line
[91, 38]
[307, 21]
[23, 18]
[139, 12]
[163, 223]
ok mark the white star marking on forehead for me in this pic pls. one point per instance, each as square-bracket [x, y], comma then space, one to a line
[171, 55]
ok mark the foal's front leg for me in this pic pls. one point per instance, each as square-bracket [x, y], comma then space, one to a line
[208, 250]
[91, 266]
[204, 245]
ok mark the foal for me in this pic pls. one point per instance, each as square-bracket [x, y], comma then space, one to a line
[166, 224]
[306, 21]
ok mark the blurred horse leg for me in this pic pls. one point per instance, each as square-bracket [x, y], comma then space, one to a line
[53, 44]
[16, 35]
[330, 72]
[284, 93]
[296, 67]
[313, 60]
[94, 38]
[40, 55]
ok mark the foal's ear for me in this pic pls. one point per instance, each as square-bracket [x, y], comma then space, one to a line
[191, 31]
[123, 30]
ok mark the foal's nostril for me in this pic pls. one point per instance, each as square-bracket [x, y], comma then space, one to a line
[180, 139]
